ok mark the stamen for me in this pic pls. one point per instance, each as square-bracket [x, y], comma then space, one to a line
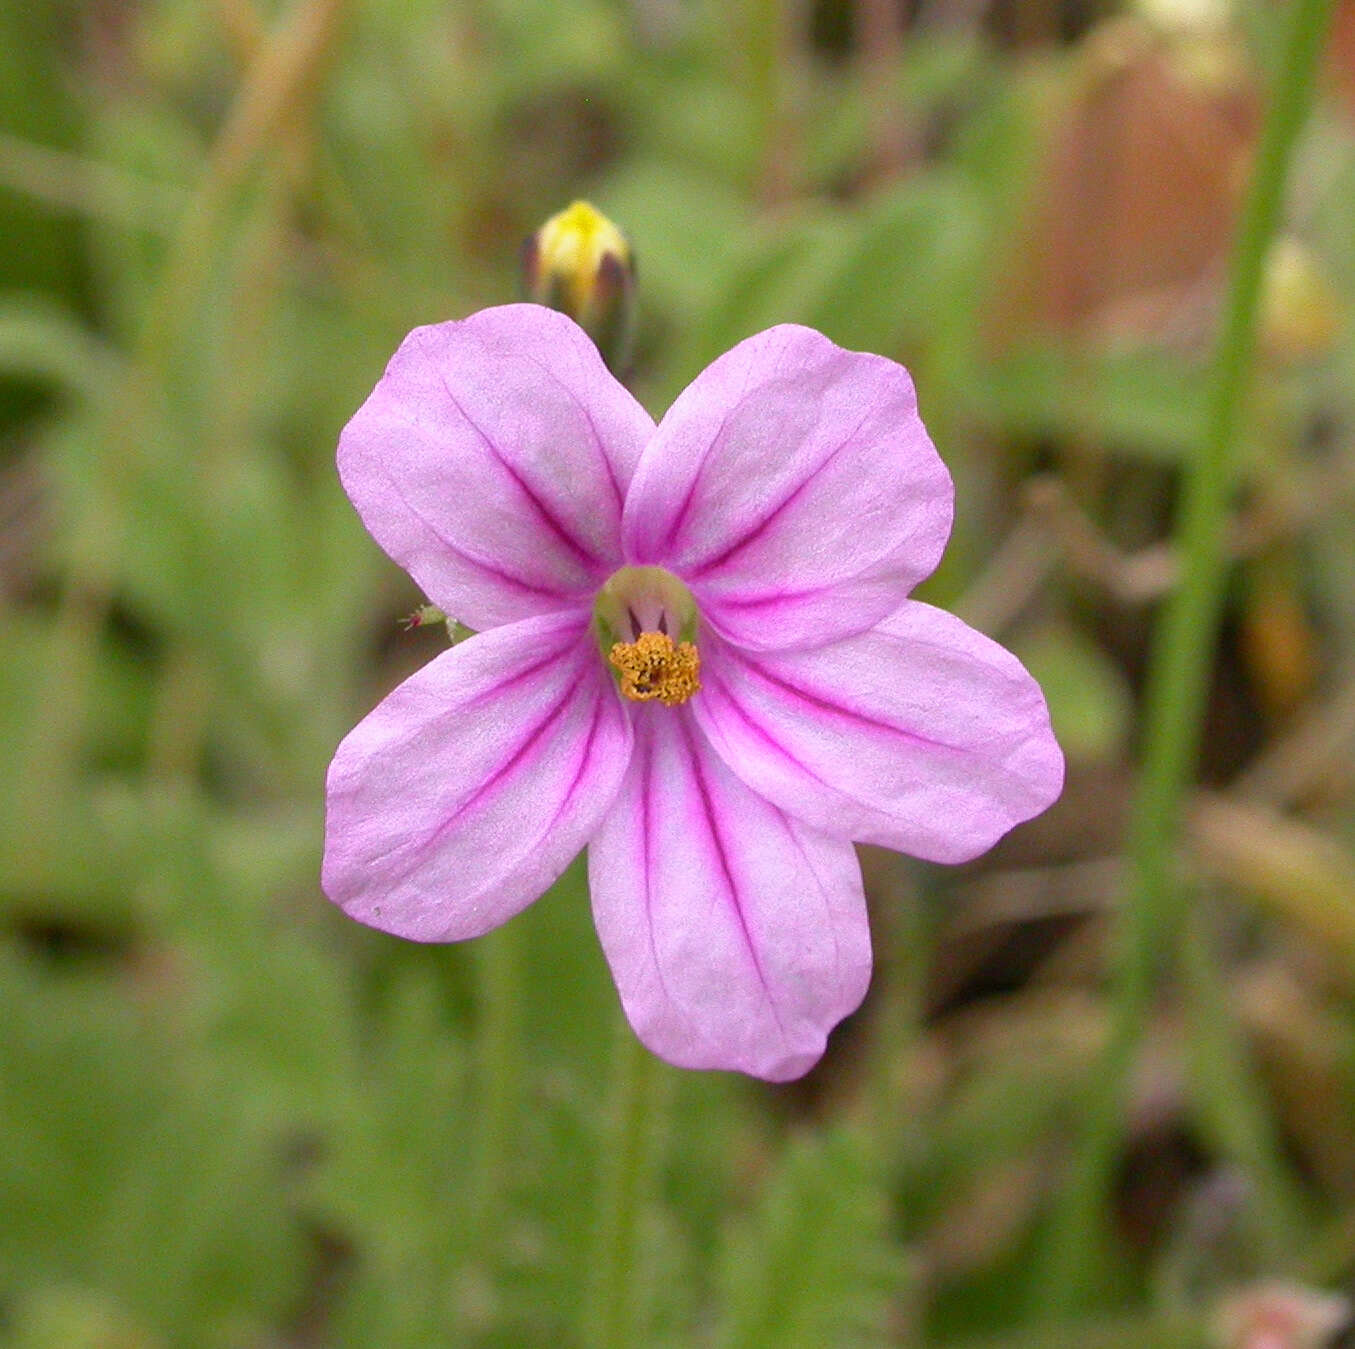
[652, 667]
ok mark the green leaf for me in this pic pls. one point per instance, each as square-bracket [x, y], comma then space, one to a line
[814, 1263]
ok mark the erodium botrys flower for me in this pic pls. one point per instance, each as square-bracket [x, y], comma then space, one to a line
[694, 654]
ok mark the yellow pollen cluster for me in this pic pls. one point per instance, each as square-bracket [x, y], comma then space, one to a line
[653, 667]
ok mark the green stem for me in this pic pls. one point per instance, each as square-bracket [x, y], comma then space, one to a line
[613, 1317]
[1182, 656]
[498, 1049]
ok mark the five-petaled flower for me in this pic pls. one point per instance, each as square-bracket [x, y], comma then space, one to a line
[694, 653]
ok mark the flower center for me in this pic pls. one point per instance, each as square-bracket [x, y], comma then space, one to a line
[653, 667]
[637, 615]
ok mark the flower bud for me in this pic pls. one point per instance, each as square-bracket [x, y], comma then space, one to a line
[579, 263]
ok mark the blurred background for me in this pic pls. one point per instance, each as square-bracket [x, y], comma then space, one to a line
[232, 1119]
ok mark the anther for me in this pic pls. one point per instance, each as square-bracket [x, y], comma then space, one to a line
[654, 668]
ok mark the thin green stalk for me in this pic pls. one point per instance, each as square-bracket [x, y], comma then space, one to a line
[1182, 655]
[614, 1314]
[498, 1060]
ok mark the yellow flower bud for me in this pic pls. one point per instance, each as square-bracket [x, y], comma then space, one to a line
[579, 263]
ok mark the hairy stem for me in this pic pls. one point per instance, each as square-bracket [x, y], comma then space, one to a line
[613, 1316]
[498, 1056]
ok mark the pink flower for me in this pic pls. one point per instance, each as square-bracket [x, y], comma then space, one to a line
[787, 699]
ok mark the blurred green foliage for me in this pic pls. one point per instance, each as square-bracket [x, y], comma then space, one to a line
[229, 1117]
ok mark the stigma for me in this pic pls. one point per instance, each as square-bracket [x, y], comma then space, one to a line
[655, 668]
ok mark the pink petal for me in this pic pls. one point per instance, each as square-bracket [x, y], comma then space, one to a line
[468, 790]
[793, 487]
[737, 936]
[922, 734]
[491, 462]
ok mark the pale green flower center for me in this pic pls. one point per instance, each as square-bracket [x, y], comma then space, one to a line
[636, 615]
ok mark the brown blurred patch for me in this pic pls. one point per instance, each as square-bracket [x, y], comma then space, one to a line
[1341, 55]
[1136, 192]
